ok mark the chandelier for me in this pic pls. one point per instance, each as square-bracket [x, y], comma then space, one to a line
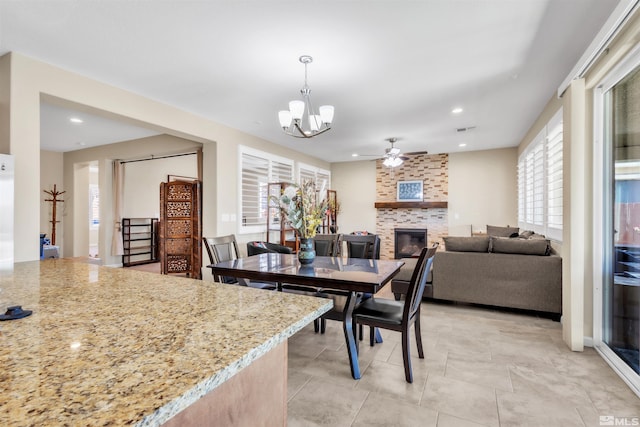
[293, 119]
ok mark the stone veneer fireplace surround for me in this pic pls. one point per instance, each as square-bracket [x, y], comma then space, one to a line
[432, 214]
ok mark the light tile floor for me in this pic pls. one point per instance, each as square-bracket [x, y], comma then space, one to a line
[482, 367]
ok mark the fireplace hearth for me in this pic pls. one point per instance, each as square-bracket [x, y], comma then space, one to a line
[409, 242]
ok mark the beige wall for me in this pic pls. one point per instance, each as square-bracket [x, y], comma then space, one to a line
[50, 174]
[5, 99]
[142, 183]
[483, 189]
[31, 80]
[80, 209]
[355, 183]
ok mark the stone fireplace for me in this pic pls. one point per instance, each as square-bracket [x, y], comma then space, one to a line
[432, 215]
[408, 242]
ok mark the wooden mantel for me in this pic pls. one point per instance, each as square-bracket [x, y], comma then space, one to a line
[407, 205]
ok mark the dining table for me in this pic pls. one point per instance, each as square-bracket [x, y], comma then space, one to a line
[352, 276]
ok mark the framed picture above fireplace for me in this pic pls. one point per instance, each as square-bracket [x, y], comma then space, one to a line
[409, 191]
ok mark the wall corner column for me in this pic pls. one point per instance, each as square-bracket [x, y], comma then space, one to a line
[574, 251]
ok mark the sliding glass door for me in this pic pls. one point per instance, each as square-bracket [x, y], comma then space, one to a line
[618, 295]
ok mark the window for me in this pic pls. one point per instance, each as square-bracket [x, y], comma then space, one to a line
[540, 182]
[321, 177]
[257, 169]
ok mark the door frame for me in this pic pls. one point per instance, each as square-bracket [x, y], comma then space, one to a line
[602, 169]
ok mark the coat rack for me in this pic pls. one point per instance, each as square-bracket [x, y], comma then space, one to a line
[54, 199]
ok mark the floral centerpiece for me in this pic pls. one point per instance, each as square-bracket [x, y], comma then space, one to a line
[305, 209]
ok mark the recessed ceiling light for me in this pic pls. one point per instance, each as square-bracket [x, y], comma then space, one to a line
[76, 120]
[354, 155]
[82, 144]
[462, 145]
[457, 110]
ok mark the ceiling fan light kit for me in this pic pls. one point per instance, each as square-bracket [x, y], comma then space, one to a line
[392, 158]
[292, 120]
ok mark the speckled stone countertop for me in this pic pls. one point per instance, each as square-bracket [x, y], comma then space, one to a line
[111, 346]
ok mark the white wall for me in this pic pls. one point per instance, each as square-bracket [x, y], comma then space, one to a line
[483, 189]
[142, 183]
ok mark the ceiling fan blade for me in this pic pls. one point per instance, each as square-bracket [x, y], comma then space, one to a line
[414, 153]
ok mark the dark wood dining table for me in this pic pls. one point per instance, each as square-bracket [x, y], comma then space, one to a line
[352, 275]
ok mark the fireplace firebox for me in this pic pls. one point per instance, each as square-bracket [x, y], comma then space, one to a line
[409, 241]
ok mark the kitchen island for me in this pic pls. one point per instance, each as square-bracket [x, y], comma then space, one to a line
[110, 346]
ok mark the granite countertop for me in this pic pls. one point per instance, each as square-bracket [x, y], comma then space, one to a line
[111, 346]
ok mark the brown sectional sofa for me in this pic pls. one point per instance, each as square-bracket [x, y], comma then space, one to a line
[522, 273]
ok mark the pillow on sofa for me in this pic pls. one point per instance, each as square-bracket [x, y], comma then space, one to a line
[527, 234]
[505, 245]
[466, 244]
[507, 231]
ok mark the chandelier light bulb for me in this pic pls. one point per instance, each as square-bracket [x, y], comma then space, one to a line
[326, 113]
[297, 109]
[285, 118]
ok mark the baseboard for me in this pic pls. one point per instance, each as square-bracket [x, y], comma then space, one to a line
[588, 341]
[113, 265]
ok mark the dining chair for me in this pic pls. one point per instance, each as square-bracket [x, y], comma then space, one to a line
[258, 247]
[327, 244]
[358, 246]
[362, 246]
[225, 248]
[399, 315]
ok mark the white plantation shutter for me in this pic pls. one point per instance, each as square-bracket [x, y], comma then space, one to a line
[257, 170]
[305, 174]
[255, 175]
[538, 187]
[540, 182]
[554, 177]
[321, 177]
[281, 171]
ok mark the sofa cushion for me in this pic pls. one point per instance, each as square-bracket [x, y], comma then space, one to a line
[493, 230]
[466, 244]
[506, 245]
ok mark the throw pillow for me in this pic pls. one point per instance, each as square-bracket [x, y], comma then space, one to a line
[526, 234]
[504, 245]
[493, 230]
[466, 244]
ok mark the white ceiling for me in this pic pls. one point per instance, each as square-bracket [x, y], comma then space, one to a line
[390, 68]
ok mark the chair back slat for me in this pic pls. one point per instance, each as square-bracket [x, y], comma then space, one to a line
[419, 281]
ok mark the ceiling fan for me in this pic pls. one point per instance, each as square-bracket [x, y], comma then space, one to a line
[393, 157]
